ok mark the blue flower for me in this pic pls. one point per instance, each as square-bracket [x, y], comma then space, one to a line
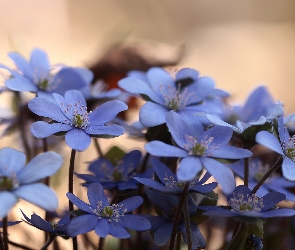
[273, 183]
[70, 114]
[10, 223]
[162, 225]
[198, 149]
[18, 180]
[165, 93]
[57, 228]
[245, 204]
[39, 77]
[169, 183]
[110, 176]
[105, 218]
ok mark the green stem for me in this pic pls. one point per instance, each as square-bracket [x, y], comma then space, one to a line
[5, 233]
[48, 242]
[177, 215]
[246, 172]
[98, 148]
[101, 243]
[267, 174]
[187, 224]
[71, 190]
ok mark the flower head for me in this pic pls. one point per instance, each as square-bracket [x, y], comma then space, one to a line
[69, 114]
[105, 218]
[20, 180]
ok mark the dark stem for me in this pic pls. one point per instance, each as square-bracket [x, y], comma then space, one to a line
[48, 242]
[98, 148]
[5, 233]
[246, 172]
[178, 241]
[1, 243]
[101, 243]
[71, 190]
[182, 199]
[187, 224]
[19, 245]
[267, 174]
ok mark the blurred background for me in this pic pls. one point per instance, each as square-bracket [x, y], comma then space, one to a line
[241, 44]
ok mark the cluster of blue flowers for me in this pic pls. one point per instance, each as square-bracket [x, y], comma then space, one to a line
[198, 148]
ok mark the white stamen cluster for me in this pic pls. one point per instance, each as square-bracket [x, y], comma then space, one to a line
[170, 182]
[240, 203]
[198, 148]
[289, 147]
[118, 173]
[175, 98]
[79, 115]
[44, 80]
[111, 212]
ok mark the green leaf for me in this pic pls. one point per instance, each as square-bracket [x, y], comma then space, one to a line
[114, 155]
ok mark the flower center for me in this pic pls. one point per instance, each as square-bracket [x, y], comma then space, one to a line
[117, 176]
[197, 148]
[258, 169]
[289, 148]
[7, 183]
[240, 203]
[43, 84]
[170, 182]
[176, 98]
[111, 212]
[54, 225]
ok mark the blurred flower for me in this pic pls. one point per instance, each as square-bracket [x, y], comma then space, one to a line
[168, 181]
[105, 218]
[70, 114]
[18, 180]
[243, 203]
[198, 149]
[9, 223]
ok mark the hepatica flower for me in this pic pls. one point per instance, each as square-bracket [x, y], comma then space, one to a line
[69, 114]
[197, 149]
[110, 176]
[243, 203]
[36, 75]
[182, 93]
[105, 218]
[170, 184]
[21, 180]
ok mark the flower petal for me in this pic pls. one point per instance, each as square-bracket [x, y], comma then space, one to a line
[152, 114]
[220, 134]
[77, 139]
[159, 148]
[102, 131]
[163, 234]
[118, 231]
[135, 222]
[189, 168]
[8, 200]
[41, 166]
[228, 152]
[39, 62]
[95, 194]
[20, 83]
[102, 228]
[42, 129]
[11, 161]
[271, 199]
[21, 64]
[270, 141]
[131, 203]
[75, 96]
[79, 203]
[288, 168]
[82, 224]
[38, 194]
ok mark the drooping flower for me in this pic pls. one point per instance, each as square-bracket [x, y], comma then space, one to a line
[105, 218]
[198, 149]
[69, 114]
[58, 228]
[170, 184]
[243, 203]
[162, 225]
[21, 180]
[184, 94]
[36, 75]
[120, 175]
[257, 170]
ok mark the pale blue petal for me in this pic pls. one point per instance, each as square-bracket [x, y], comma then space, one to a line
[221, 136]
[41, 166]
[21, 84]
[62, 103]
[82, 224]
[102, 228]
[104, 131]
[271, 199]
[288, 168]
[118, 231]
[131, 203]
[161, 169]
[39, 62]
[187, 73]
[228, 152]
[95, 194]
[152, 114]
[270, 141]
[79, 203]
[75, 96]
[216, 121]
[38, 194]
[11, 161]
[42, 129]
[159, 78]
[21, 64]
[192, 121]
[221, 173]
[201, 88]
[159, 148]
[106, 112]
[45, 108]
[8, 200]
[188, 168]
[77, 139]
[135, 222]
